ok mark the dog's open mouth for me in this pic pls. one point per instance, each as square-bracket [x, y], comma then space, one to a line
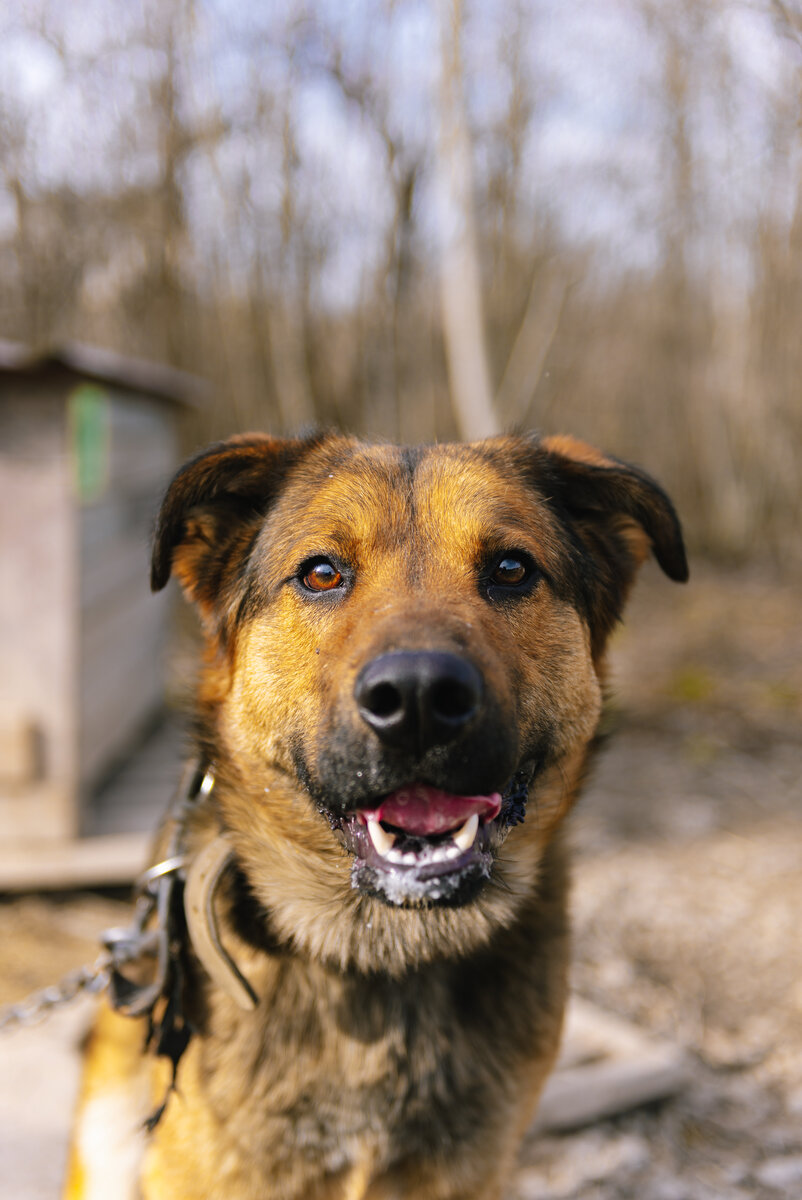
[420, 844]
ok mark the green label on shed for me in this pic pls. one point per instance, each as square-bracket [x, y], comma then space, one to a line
[89, 436]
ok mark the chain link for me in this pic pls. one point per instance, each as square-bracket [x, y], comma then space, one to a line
[125, 947]
[39, 1005]
[121, 946]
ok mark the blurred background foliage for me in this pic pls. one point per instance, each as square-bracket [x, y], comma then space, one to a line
[428, 220]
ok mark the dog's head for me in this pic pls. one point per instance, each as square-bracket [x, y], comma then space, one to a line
[405, 650]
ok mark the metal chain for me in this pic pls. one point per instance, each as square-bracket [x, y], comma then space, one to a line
[39, 1005]
[121, 946]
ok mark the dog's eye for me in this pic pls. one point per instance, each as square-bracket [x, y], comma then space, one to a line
[510, 571]
[321, 576]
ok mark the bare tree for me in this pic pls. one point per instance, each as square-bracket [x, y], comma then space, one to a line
[460, 278]
[214, 234]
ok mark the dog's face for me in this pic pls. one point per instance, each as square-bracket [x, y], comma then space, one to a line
[404, 662]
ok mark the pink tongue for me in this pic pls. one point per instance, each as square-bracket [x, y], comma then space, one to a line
[427, 810]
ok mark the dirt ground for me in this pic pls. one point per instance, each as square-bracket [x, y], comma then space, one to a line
[688, 894]
[687, 898]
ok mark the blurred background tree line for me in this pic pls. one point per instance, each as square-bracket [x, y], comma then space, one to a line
[427, 220]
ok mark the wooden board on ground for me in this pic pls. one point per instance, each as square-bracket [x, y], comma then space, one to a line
[607, 1066]
[113, 861]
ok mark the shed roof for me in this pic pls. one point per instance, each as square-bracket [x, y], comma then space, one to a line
[102, 366]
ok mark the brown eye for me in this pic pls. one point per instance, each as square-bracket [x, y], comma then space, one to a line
[509, 571]
[322, 576]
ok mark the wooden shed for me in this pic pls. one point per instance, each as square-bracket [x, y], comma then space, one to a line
[87, 442]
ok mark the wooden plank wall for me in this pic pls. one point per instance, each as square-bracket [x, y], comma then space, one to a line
[122, 625]
[37, 606]
[81, 636]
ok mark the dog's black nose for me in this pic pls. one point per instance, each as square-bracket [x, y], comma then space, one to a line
[416, 699]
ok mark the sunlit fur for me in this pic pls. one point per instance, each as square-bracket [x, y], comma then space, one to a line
[396, 1051]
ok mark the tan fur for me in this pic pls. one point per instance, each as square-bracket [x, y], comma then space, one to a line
[108, 1141]
[397, 1050]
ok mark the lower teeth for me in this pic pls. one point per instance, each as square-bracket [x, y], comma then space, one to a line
[427, 854]
[460, 841]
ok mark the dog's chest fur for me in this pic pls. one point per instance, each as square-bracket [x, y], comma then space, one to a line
[342, 1069]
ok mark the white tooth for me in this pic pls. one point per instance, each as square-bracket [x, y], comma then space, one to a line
[382, 840]
[446, 851]
[466, 836]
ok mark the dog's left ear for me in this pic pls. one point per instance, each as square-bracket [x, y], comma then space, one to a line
[619, 513]
[212, 511]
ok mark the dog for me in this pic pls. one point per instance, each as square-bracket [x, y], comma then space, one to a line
[403, 677]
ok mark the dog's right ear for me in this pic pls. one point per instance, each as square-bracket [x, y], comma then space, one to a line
[212, 511]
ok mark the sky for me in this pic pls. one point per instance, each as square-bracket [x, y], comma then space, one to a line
[594, 155]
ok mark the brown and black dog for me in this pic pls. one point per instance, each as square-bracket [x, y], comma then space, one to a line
[403, 679]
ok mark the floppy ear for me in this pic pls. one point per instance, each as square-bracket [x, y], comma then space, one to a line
[213, 510]
[620, 515]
